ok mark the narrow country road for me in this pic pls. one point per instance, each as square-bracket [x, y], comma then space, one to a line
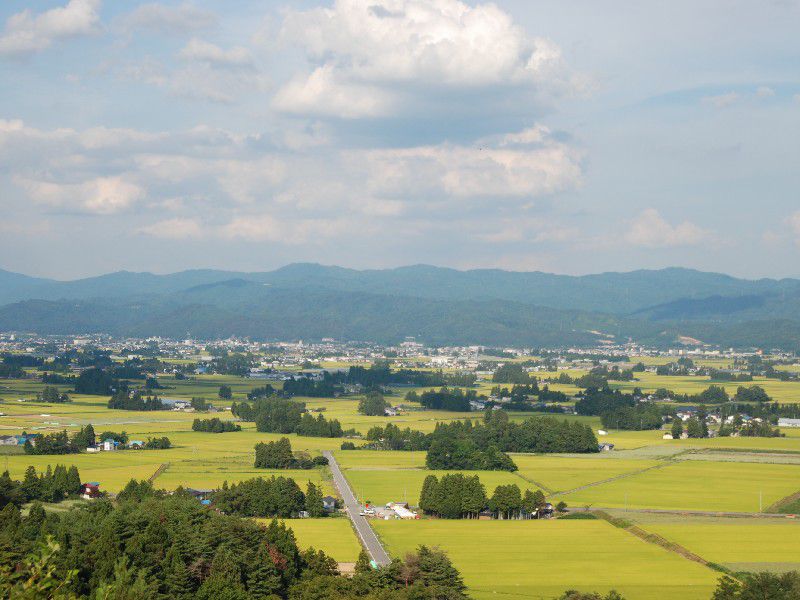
[368, 538]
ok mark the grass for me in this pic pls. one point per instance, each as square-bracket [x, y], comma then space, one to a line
[542, 559]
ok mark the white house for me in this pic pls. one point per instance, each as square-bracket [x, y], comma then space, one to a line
[788, 422]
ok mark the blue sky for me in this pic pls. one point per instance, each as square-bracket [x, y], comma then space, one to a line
[570, 137]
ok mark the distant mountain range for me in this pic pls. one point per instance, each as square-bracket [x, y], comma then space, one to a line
[433, 304]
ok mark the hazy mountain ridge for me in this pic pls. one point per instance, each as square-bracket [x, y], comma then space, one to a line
[433, 304]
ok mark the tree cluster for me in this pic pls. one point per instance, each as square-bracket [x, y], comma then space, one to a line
[54, 485]
[452, 399]
[125, 400]
[643, 416]
[279, 455]
[459, 496]
[215, 425]
[512, 373]
[281, 415]
[273, 497]
[51, 395]
[392, 437]
[373, 404]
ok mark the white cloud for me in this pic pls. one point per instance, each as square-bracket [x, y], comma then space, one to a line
[365, 51]
[322, 94]
[206, 52]
[794, 225]
[101, 196]
[473, 171]
[721, 100]
[27, 33]
[650, 230]
[174, 229]
[765, 92]
[164, 19]
[207, 182]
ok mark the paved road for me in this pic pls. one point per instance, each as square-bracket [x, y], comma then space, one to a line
[368, 538]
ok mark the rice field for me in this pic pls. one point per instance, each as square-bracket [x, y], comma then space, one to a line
[541, 559]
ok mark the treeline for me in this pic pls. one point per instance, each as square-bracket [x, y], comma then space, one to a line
[281, 415]
[279, 455]
[453, 399]
[375, 377]
[54, 485]
[151, 546]
[542, 434]
[459, 496]
[273, 497]
[520, 396]
[215, 425]
[466, 445]
[125, 400]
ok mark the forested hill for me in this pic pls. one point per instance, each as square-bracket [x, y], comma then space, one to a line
[435, 305]
[618, 293]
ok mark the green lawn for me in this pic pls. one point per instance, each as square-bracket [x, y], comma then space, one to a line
[542, 559]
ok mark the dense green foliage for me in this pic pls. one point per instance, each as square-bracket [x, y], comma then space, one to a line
[53, 485]
[279, 455]
[453, 399]
[392, 437]
[273, 497]
[282, 415]
[215, 425]
[373, 404]
[458, 496]
[151, 546]
[759, 586]
[125, 400]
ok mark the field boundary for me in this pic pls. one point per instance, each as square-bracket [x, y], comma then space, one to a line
[776, 506]
[159, 471]
[658, 540]
[666, 463]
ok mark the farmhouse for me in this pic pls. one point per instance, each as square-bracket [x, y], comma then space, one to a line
[90, 490]
[605, 447]
[8, 440]
[329, 503]
[788, 422]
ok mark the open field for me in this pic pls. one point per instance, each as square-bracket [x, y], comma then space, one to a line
[696, 485]
[566, 473]
[737, 544]
[393, 485]
[541, 559]
[334, 536]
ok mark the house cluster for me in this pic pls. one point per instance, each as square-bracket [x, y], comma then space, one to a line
[110, 445]
[19, 440]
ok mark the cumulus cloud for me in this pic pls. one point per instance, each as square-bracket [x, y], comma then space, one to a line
[765, 92]
[794, 224]
[101, 195]
[374, 48]
[27, 33]
[211, 183]
[722, 100]
[206, 52]
[650, 230]
[164, 19]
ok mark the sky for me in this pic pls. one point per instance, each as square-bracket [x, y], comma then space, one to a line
[570, 137]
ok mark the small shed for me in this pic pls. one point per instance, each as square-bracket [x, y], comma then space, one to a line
[329, 503]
